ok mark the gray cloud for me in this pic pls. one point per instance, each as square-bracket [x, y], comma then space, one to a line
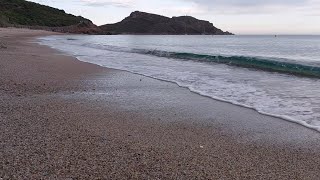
[98, 3]
[249, 6]
[249, 2]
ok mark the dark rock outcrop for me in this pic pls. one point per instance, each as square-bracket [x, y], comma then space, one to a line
[146, 23]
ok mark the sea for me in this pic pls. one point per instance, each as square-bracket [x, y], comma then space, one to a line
[274, 75]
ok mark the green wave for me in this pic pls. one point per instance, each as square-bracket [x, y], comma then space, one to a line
[244, 61]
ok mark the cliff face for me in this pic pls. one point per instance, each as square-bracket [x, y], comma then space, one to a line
[21, 13]
[146, 23]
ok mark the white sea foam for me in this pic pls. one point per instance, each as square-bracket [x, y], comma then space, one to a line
[293, 98]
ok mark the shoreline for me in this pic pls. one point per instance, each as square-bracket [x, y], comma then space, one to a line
[65, 118]
[280, 117]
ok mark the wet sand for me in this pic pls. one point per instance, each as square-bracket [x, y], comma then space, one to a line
[65, 119]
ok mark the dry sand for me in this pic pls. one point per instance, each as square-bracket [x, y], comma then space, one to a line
[64, 119]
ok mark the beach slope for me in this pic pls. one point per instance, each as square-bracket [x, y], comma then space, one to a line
[61, 118]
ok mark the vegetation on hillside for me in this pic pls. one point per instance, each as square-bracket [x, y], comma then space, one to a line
[21, 12]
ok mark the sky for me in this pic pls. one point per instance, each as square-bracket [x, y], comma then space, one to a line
[236, 16]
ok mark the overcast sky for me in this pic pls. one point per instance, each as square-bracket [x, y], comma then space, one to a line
[237, 16]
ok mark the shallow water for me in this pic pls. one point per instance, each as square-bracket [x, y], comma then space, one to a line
[278, 76]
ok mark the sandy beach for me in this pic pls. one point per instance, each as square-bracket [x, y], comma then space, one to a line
[61, 118]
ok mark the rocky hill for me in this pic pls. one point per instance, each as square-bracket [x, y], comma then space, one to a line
[21, 13]
[25, 14]
[146, 23]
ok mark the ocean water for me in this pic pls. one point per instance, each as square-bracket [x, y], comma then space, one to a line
[277, 76]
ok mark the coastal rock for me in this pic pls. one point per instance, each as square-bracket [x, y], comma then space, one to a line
[146, 23]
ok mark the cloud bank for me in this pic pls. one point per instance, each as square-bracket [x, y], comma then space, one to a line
[248, 2]
[250, 6]
[117, 3]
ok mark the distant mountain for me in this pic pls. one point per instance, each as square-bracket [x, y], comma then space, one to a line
[146, 23]
[25, 14]
[21, 13]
